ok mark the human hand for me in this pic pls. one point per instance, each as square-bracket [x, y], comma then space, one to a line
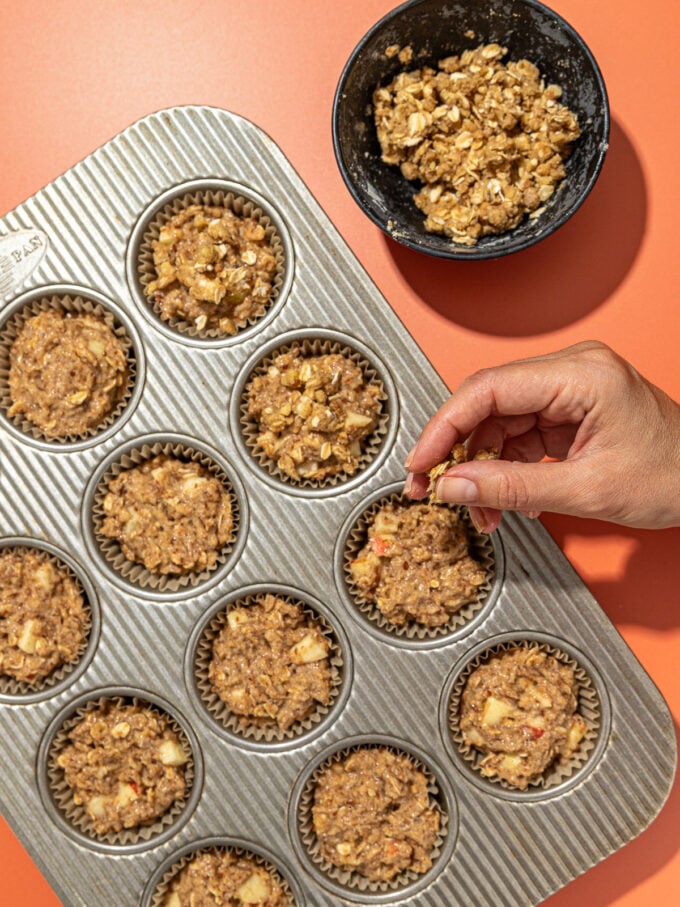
[612, 437]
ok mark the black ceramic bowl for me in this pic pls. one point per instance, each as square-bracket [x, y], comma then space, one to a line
[435, 29]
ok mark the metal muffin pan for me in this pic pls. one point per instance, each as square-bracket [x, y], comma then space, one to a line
[79, 233]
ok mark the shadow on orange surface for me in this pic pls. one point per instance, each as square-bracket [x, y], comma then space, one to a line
[646, 593]
[558, 281]
[620, 873]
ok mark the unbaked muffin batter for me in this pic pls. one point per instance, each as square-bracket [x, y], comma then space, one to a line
[173, 516]
[125, 765]
[520, 710]
[67, 373]
[214, 269]
[313, 413]
[416, 565]
[270, 663]
[225, 879]
[43, 617]
[372, 815]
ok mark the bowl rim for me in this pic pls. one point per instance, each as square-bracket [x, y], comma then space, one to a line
[477, 252]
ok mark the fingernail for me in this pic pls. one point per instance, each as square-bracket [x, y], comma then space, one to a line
[408, 484]
[456, 490]
[409, 456]
[478, 518]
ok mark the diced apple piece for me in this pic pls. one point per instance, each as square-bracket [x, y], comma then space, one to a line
[383, 546]
[255, 889]
[126, 794]
[173, 901]
[495, 710]
[193, 484]
[362, 566]
[44, 576]
[96, 807]
[385, 524]
[167, 235]
[511, 762]
[474, 737]
[576, 733]
[310, 648]
[29, 637]
[357, 420]
[237, 697]
[236, 617]
[132, 527]
[96, 347]
[171, 753]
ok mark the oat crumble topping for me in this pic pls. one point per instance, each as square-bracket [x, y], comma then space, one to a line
[313, 413]
[487, 140]
[214, 269]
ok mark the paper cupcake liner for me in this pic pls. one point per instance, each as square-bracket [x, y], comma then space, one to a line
[481, 548]
[73, 305]
[589, 708]
[239, 724]
[62, 793]
[242, 207]
[159, 893]
[9, 686]
[351, 879]
[315, 347]
[111, 550]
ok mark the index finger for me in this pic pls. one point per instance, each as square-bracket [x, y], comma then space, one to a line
[519, 388]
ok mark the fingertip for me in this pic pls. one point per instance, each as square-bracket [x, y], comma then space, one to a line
[477, 518]
[485, 519]
[416, 486]
[410, 457]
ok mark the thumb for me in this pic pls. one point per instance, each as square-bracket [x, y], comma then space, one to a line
[559, 487]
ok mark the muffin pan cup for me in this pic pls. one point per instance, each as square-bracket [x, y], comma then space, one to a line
[500, 847]
[58, 796]
[237, 729]
[485, 549]
[592, 706]
[242, 202]
[158, 885]
[71, 300]
[16, 691]
[317, 342]
[350, 884]
[134, 574]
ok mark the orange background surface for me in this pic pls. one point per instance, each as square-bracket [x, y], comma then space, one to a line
[73, 73]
